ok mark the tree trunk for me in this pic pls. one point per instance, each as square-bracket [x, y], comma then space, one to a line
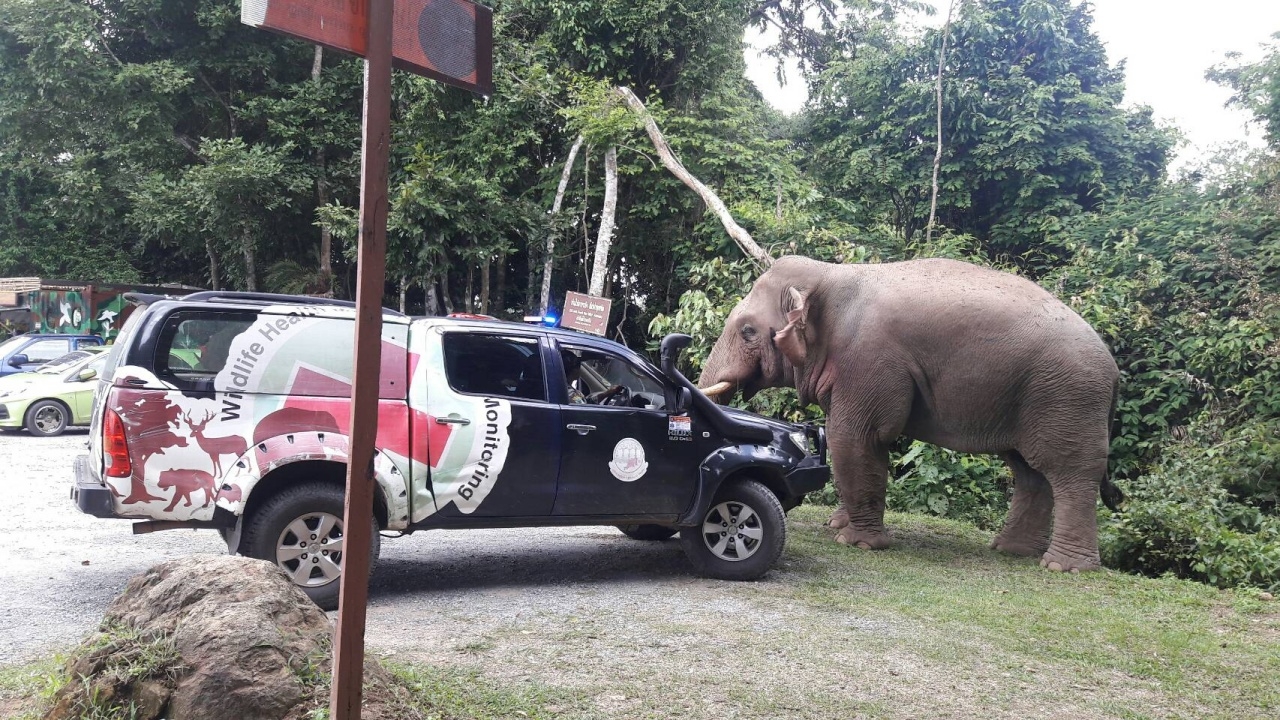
[937, 156]
[671, 162]
[545, 297]
[250, 260]
[484, 284]
[470, 303]
[404, 291]
[213, 265]
[322, 195]
[604, 238]
[444, 291]
[499, 299]
[431, 306]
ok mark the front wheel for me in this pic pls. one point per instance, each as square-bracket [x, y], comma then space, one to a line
[647, 532]
[47, 418]
[300, 530]
[740, 536]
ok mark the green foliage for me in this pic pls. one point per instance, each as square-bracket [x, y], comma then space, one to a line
[1206, 512]
[935, 481]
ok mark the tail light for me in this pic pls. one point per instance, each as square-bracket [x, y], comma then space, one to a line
[115, 447]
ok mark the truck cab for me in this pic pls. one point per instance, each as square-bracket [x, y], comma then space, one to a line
[25, 353]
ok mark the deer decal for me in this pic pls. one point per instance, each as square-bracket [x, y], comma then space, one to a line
[216, 447]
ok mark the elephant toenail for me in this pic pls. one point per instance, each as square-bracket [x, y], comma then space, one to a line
[1075, 571]
[1055, 566]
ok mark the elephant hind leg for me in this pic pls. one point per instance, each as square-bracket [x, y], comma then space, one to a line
[1026, 527]
[1074, 545]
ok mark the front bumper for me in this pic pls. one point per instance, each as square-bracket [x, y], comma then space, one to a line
[91, 496]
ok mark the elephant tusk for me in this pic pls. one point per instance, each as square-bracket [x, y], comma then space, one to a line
[718, 388]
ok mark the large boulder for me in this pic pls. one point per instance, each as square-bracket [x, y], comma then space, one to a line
[208, 637]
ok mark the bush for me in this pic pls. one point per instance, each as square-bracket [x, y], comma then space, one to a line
[1207, 512]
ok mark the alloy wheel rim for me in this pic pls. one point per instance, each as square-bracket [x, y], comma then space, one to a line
[48, 418]
[732, 531]
[309, 549]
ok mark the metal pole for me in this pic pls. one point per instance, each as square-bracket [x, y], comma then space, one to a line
[348, 653]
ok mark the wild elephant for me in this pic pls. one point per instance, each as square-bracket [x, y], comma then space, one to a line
[950, 353]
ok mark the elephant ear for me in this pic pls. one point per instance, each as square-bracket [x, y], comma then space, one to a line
[791, 339]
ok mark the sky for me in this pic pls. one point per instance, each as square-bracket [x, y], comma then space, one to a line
[1167, 45]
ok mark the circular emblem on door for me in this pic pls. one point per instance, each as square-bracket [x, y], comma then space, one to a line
[628, 460]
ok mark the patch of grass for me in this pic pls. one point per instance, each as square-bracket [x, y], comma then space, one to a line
[443, 692]
[1202, 652]
[25, 690]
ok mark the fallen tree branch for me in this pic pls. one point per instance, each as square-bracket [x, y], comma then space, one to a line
[740, 236]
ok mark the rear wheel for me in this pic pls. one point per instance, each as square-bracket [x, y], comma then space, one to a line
[740, 536]
[47, 418]
[300, 530]
[647, 532]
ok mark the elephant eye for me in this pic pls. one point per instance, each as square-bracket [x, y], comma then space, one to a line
[748, 332]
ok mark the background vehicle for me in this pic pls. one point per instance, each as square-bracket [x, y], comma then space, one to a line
[25, 353]
[56, 396]
[242, 400]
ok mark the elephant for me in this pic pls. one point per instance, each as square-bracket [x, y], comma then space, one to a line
[946, 352]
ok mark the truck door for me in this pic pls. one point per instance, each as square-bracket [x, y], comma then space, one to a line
[495, 449]
[624, 454]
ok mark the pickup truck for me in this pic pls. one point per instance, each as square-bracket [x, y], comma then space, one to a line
[230, 411]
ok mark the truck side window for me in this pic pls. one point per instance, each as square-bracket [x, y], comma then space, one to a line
[494, 365]
[193, 347]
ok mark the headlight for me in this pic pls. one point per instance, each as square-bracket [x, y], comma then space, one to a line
[800, 439]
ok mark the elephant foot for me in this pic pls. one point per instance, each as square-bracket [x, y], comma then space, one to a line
[865, 539]
[1055, 561]
[1020, 546]
[839, 519]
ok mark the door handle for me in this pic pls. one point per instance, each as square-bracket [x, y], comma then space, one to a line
[582, 429]
[452, 420]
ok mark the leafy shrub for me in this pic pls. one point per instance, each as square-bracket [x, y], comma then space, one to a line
[935, 481]
[1207, 512]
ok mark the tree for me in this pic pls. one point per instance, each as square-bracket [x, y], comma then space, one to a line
[1034, 130]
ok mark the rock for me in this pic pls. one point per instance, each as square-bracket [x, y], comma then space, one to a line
[1265, 596]
[246, 643]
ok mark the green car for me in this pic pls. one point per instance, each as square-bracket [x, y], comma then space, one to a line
[57, 395]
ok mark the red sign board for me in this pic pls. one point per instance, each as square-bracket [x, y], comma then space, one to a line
[446, 40]
[586, 313]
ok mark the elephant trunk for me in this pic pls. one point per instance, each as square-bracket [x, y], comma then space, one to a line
[711, 382]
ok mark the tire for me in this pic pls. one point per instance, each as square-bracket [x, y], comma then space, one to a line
[276, 526]
[747, 554]
[656, 533]
[47, 418]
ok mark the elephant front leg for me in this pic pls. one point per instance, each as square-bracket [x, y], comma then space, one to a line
[861, 479]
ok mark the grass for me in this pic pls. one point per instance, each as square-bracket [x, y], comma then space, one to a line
[1199, 651]
[937, 626]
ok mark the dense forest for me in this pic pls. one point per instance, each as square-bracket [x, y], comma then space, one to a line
[163, 141]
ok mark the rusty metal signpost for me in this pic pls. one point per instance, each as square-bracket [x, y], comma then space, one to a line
[446, 40]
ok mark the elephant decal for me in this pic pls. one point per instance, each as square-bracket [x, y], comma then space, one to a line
[965, 357]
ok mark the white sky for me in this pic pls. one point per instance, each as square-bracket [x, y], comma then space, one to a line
[1168, 45]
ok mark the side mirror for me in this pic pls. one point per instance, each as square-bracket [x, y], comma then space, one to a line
[86, 374]
[684, 399]
[19, 360]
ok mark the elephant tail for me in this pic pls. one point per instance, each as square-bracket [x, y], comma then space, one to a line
[1112, 496]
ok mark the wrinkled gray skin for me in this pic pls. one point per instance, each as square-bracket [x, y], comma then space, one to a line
[968, 358]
